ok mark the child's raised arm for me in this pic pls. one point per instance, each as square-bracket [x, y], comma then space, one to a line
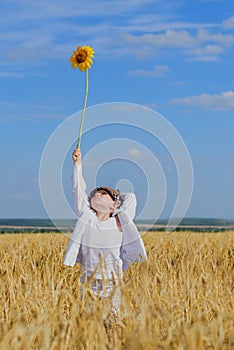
[79, 186]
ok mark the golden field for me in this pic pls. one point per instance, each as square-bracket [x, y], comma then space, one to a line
[182, 298]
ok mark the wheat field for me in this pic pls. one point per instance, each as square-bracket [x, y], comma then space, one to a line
[181, 298]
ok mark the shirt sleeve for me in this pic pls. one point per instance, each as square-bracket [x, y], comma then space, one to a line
[79, 191]
[128, 206]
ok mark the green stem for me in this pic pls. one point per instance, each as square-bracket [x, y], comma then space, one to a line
[84, 107]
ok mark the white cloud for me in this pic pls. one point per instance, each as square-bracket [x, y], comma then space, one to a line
[205, 36]
[49, 111]
[161, 22]
[158, 71]
[33, 32]
[135, 153]
[201, 45]
[170, 38]
[153, 105]
[208, 53]
[10, 75]
[221, 102]
[194, 39]
[33, 10]
[229, 23]
[179, 83]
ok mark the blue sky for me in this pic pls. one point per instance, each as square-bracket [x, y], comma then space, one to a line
[175, 57]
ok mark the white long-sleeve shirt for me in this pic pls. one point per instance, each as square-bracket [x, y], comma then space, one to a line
[99, 245]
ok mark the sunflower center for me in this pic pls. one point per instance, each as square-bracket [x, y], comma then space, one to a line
[81, 56]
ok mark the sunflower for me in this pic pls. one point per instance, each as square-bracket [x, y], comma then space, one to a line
[82, 58]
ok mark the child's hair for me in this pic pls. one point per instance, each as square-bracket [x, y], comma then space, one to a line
[114, 194]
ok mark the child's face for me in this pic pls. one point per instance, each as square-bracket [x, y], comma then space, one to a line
[102, 202]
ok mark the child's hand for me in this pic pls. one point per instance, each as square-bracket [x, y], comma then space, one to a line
[76, 156]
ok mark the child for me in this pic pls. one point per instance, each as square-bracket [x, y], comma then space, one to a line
[105, 240]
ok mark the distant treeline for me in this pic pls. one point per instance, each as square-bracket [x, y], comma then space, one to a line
[35, 222]
[194, 222]
[66, 225]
